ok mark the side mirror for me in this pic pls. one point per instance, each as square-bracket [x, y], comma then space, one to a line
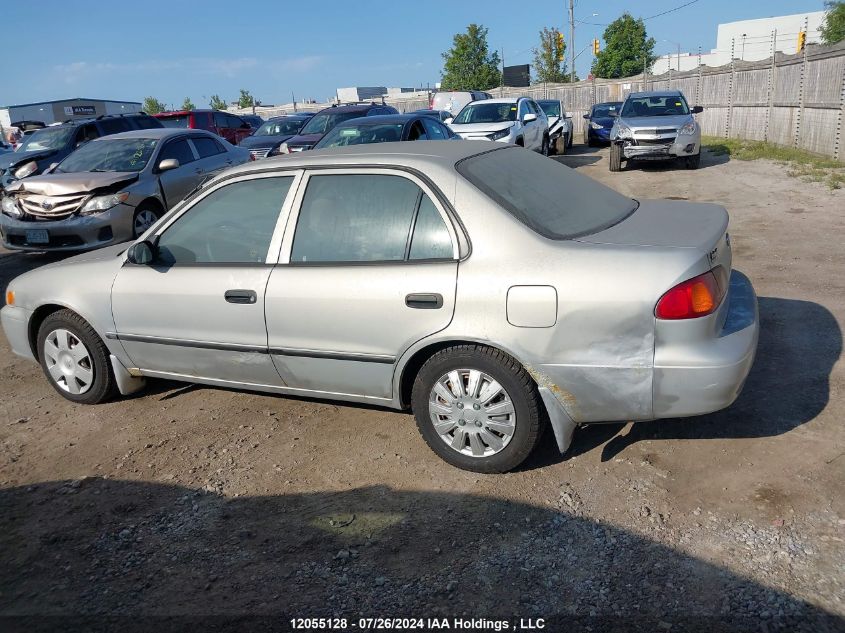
[529, 117]
[168, 163]
[141, 253]
[697, 110]
[449, 120]
[586, 116]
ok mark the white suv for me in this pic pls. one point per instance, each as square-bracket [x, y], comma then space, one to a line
[519, 121]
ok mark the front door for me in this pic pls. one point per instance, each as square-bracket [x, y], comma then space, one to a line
[198, 310]
[370, 269]
[178, 183]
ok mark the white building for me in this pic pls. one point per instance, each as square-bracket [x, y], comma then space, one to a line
[751, 40]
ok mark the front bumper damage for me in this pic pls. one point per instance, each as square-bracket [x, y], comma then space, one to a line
[74, 233]
[659, 147]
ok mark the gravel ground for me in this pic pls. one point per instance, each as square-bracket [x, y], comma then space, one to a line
[192, 501]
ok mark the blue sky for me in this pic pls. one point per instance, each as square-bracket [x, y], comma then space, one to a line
[175, 49]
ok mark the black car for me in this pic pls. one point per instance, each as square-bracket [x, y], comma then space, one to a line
[254, 120]
[52, 144]
[386, 129]
[267, 139]
[440, 115]
[326, 119]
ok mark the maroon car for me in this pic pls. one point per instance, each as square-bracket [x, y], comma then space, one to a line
[229, 126]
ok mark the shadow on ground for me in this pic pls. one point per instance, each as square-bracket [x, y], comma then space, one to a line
[101, 547]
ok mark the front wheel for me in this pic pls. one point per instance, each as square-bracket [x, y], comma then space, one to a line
[477, 408]
[615, 157]
[561, 145]
[544, 146]
[693, 162]
[75, 359]
[144, 218]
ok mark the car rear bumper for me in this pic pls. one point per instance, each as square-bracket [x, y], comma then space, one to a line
[707, 375]
[15, 323]
[76, 233]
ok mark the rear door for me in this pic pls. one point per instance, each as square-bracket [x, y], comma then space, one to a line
[368, 267]
[213, 157]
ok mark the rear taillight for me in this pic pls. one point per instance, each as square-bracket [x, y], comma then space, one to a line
[693, 298]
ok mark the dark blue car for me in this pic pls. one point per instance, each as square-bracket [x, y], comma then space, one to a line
[599, 121]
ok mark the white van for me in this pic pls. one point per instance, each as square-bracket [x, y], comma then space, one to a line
[454, 101]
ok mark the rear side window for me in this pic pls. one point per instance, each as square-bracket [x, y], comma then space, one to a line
[113, 126]
[143, 123]
[220, 120]
[180, 150]
[431, 237]
[207, 146]
[200, 121]
[552, 200]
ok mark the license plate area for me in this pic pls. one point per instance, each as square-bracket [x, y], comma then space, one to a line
[37, 236]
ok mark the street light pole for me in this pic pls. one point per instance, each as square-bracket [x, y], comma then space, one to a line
[571, 41]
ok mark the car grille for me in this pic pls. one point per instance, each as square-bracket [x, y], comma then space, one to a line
[662, 130]
[656, 141]
[259, 152]
[51, 207]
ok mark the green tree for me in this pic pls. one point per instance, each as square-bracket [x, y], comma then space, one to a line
[187, 104]
[626, 48]
[833, 27]
[245, 100]
[469, 65]
[153, 105]
[550, 56]
[217, 103]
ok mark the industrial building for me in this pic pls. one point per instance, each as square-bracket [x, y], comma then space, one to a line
[750, 40]
[64, 109]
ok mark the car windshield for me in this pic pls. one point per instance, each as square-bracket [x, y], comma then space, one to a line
[487, 113]
[361, 134]
[655, 106]
[47, 138]
[177, 120]
[551, 108]
[283, 127]
[322, 123]
[553, 200]
[604, 110]
[124, 154]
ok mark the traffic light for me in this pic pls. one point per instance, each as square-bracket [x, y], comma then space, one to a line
[596, 47]
[802, 40]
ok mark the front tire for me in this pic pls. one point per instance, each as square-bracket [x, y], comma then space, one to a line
[693, 162]
[145, 216]
[615, 157]
[544, 146]
[561, 145]
[477, 408]
[75, 359]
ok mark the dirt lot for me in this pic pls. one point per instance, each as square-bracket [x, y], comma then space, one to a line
[196, 501]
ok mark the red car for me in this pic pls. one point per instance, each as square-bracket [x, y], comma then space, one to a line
[229, 126]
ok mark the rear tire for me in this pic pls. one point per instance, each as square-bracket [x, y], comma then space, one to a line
[74, 359]
[508, 439]
[615, 157]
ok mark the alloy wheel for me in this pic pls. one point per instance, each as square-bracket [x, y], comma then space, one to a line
[144, 219]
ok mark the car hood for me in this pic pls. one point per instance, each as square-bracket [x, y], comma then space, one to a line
[655, 122]
[304, 139]
[66, 184]
[17, 158]
[264, 141]
[476, 128]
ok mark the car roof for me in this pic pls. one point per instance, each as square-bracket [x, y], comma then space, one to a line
[289, 116]
[657, 93]
[362, 107]
[157, 133]
[383, 118]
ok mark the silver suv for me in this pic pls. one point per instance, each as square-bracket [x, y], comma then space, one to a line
[656, 126]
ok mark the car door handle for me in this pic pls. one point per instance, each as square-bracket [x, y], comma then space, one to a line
[241, 296]
[424, 301]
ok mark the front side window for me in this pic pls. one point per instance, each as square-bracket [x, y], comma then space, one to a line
[362, 134]
[365, 218]
[232, 225]
[178, 149]
[434, 130]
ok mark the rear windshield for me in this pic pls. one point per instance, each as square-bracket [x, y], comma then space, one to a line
[177, 120]
[550, 199]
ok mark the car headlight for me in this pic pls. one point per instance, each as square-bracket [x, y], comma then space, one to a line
[10, 207]
[596, 126]
[495, 136]
[26, 169]
[688, 129]
[98, 204]
[623, 131]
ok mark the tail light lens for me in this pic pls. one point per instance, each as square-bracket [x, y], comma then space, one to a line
[693, 298]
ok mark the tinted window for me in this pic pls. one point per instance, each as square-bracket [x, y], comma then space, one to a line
[361, 134]
[324, 122]
[233, 225]
[86, 133]
[179, 120]
[143, 123]
[417, 132]
[220, 119]
[180, 150]
[355, 218]
[282, 127]
[113, 126]
[431, 238]
[201, 121]
[235, 122]
[553, 200]
[434, 130]
[207, 146]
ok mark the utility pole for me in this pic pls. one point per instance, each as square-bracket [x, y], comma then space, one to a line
[502, 82]
[571, 41]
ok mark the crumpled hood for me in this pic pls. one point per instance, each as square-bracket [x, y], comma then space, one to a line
[480, 128]
[18, 158]
[264, 141]
[67, 184]
[655, 122]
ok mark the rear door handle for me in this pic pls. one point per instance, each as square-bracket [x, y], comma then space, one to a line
[424, 300]
[241, 296]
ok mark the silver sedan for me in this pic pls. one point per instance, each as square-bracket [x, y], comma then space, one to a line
[485, 287]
